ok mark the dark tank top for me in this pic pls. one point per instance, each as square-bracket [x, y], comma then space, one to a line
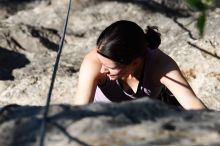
[112, 91]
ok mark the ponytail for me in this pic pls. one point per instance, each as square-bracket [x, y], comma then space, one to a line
[152, 37]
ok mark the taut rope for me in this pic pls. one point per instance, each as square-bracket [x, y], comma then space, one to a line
[45, 120]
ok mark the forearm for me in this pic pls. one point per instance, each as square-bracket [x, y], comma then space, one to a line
[194, 104]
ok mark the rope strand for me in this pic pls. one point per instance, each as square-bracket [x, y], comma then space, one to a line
[44, 120]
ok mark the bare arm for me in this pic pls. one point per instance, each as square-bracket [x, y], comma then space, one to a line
[88, 78]
[177, 84]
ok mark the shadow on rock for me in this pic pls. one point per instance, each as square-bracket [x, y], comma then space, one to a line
[169, 8]
[10, 60]
[203, 50]
[48, 37]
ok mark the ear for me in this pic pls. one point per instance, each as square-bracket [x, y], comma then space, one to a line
[136, 62]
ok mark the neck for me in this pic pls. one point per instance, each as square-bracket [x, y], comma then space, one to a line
[136, 73]
[132, 80]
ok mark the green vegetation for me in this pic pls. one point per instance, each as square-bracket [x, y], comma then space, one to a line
[202, 6]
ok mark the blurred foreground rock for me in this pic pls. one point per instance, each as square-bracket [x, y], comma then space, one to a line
[30, 31]
[143, 122]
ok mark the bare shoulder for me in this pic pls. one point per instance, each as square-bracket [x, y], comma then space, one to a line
[91, 65]
[91, 56]
[88, 78]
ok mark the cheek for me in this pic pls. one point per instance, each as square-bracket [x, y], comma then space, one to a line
[115, 72]
[118, 72]
[125, 71]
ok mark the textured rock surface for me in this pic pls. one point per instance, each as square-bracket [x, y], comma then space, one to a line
[31, 30]
[139, 123]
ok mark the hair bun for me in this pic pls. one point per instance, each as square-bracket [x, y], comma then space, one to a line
[152, 37]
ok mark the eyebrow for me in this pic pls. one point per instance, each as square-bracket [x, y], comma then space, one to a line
[114, 67]
[108, 58]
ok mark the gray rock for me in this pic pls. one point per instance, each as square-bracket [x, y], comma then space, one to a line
[31, 34]
[138, 123]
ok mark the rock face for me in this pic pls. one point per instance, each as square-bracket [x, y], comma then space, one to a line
[138, 123]
[31, 31]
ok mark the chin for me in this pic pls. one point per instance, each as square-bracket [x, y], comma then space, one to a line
[113, 77]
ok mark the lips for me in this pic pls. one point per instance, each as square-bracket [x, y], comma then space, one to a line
[112, 76]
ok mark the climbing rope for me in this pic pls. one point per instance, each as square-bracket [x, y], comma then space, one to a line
[45, 119]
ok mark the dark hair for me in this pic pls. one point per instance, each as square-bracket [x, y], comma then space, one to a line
[152, 37]
[124, 41]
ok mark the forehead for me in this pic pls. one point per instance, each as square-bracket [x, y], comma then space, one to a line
[108, 62]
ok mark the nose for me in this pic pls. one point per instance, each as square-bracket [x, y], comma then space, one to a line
[104, 70]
